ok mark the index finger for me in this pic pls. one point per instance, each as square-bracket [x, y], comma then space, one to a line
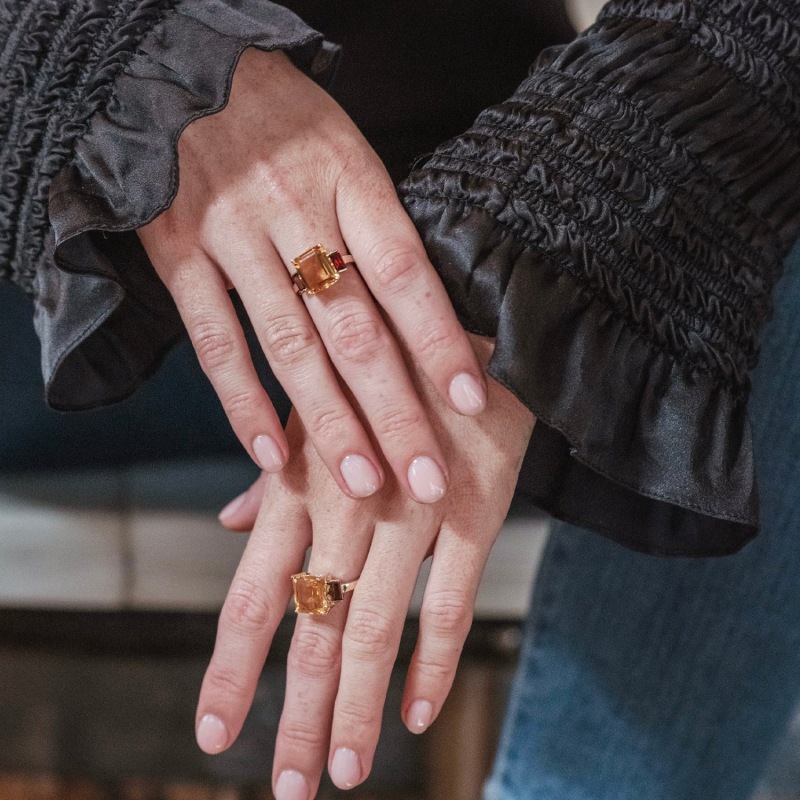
[252, 611]
[392, 260]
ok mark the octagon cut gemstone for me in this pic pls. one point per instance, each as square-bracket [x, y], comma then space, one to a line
[317, 269]
[310, 594]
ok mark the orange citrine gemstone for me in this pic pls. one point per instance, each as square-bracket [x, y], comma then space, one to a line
[310, 594]
[317, 269]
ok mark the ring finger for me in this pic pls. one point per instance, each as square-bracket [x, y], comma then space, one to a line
[366, 355]
[312, 675]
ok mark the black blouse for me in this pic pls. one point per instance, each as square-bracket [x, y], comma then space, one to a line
[617, 224]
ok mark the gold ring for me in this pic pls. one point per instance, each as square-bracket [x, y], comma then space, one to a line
[318, 269]
[318, 594]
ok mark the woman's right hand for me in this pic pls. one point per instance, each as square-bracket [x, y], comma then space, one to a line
[282, 168]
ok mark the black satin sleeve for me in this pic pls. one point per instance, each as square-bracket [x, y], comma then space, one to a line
[618, 224]
[93, 97]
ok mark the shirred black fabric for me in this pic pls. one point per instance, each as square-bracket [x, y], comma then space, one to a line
[618, 224]
[93, 97]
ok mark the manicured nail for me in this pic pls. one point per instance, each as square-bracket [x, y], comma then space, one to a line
[212, 735]
[291, 785]
[269, 455]
[467, 394]
[427, 480]
[230, 510]
[419, 716]
[360, 476]
[345, 769]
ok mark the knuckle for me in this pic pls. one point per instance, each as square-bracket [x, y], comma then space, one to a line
[358, 716]
[329, 425]
[315, 652]
[355, 337]
[279, 184]
[226, 682]
[396, 423]
[287, 339]
[240, 406]
[447, 614]
[214, 344]
[246, 609]
[301, 735]
[437, 670]
[395, 267]
[370, 634]
[438, 338]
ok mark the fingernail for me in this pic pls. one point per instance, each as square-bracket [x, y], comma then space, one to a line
[360, 476]
[467, 394]
[427, 480]
[419, 716]
[345, 769]
[268, 454]
[230, 510]
[291, 785]
[212, 735]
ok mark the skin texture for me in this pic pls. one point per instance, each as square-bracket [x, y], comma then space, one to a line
[262, 181]
[339, 665]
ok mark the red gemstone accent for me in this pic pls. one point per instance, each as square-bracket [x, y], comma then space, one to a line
[299, 284]
[337, 260]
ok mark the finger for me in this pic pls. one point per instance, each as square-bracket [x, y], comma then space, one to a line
[392, 259]
[241, 513]
[312, 675]
[445, 620]
[368, 359]
[369, 648]
[299, 360]
[250, 615]
[216, 334]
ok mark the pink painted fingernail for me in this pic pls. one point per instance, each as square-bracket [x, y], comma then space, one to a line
[467, 394]
[212, 735]
[345, 768]
[232, 508]
[419, 716]
[291, 785]
[360, 476]
[268, 454]
[426, 479]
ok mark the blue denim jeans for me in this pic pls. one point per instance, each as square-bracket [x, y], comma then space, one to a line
[668, 679]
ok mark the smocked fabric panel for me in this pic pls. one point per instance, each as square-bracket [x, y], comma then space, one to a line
[618, 224]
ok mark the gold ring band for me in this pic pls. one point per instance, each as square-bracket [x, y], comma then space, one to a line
[318, 594]
[318, 269]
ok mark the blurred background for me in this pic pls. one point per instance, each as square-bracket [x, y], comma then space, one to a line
[113, 565]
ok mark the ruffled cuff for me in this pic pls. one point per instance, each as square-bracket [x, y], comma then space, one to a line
[617, 225]
[103, 316]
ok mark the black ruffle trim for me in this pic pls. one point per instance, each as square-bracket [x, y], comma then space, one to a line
[618, 225]
[627, 442]
[103, 316]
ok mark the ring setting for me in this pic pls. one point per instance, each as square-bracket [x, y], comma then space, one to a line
[318, 269]
[318, 594]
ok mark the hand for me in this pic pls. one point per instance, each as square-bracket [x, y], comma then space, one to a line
[281, 168]
[330, 713]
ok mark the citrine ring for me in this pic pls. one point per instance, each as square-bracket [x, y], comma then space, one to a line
[318, 594]
[318, 269]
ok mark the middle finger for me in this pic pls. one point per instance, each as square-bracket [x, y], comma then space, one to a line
[371, 642]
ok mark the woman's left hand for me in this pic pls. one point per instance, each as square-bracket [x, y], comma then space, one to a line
[340, 664]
